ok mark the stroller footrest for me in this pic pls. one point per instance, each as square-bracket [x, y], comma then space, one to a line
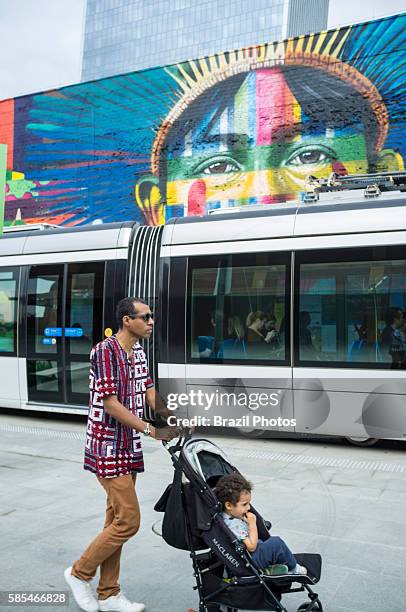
[312, 562]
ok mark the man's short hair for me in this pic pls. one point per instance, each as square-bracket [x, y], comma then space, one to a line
[125, 307]
[230, 487]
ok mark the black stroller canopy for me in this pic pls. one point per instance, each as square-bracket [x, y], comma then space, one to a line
[207, 460]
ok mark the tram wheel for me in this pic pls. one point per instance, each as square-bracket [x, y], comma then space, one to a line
[355, 441]
[251, 433]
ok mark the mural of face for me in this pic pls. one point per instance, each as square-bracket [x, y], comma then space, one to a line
[255, 138]
[236, 128]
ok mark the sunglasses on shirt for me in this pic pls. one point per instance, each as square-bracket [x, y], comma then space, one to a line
[145, 317]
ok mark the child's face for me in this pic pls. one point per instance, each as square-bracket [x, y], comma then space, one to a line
[240, 509]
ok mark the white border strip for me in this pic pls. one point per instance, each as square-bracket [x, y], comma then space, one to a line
[67, 257]
[354, 464]
[286, 244]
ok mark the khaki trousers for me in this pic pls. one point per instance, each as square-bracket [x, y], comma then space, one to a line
[122, 522]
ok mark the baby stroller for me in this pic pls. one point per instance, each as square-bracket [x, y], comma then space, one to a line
[226, 577]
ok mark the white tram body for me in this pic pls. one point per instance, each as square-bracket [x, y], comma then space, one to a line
[326, 275]
[342, 261]
[58, 290]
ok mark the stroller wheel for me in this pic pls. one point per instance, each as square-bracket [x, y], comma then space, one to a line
[315, 607]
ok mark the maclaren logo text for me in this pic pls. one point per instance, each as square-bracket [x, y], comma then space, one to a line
[225, 554]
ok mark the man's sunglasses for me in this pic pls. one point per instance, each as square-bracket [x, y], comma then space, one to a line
[145, 317]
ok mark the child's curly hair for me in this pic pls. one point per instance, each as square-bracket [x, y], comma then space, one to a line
[230, 487]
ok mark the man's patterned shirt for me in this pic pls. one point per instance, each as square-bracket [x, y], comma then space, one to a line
[113, 449]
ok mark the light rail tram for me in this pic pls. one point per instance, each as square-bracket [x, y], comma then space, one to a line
[303, 301]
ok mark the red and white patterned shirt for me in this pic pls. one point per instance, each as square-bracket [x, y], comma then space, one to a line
[113, 449]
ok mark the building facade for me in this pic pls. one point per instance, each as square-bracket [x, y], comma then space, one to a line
[235, 128]
[124, 35]
[305, 17]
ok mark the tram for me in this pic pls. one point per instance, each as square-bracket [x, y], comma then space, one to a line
[294, 301]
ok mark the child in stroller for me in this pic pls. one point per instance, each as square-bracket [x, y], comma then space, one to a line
[234, 493]
[225, 572]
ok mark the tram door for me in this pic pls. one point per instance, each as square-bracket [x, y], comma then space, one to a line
[10, 392]
[64, 321]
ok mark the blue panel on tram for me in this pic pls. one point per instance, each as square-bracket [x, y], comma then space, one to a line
[73, 332]
[48, 341]
[51, 332]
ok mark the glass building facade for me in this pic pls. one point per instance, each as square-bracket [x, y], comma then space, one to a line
[123, 35]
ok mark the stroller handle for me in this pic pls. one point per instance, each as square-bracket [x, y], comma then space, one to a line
[184, 436]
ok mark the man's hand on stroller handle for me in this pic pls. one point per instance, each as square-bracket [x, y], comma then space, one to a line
[113, 407]
[165, 433]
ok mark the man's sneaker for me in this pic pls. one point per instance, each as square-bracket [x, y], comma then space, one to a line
[82, 592]
[120, 603]
[299, 569]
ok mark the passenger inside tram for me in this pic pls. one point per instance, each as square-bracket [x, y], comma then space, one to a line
[393, 337]
[307, 349]
[365, 347]
[262, 335]
[206, 343]
[255, 323]
[271, 332]
[234, 346]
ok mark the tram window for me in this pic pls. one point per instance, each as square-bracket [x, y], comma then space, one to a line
[8, 309]
[44, 311]
[352, 313]
[84, 323]
[78, 376]
[64, 320]
[84, 307]
[237, 309]
[43, 376]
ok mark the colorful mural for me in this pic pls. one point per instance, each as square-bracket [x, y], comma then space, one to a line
[233, 129]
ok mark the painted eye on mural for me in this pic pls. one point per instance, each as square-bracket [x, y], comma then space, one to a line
[310, 157]
[218, 166]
